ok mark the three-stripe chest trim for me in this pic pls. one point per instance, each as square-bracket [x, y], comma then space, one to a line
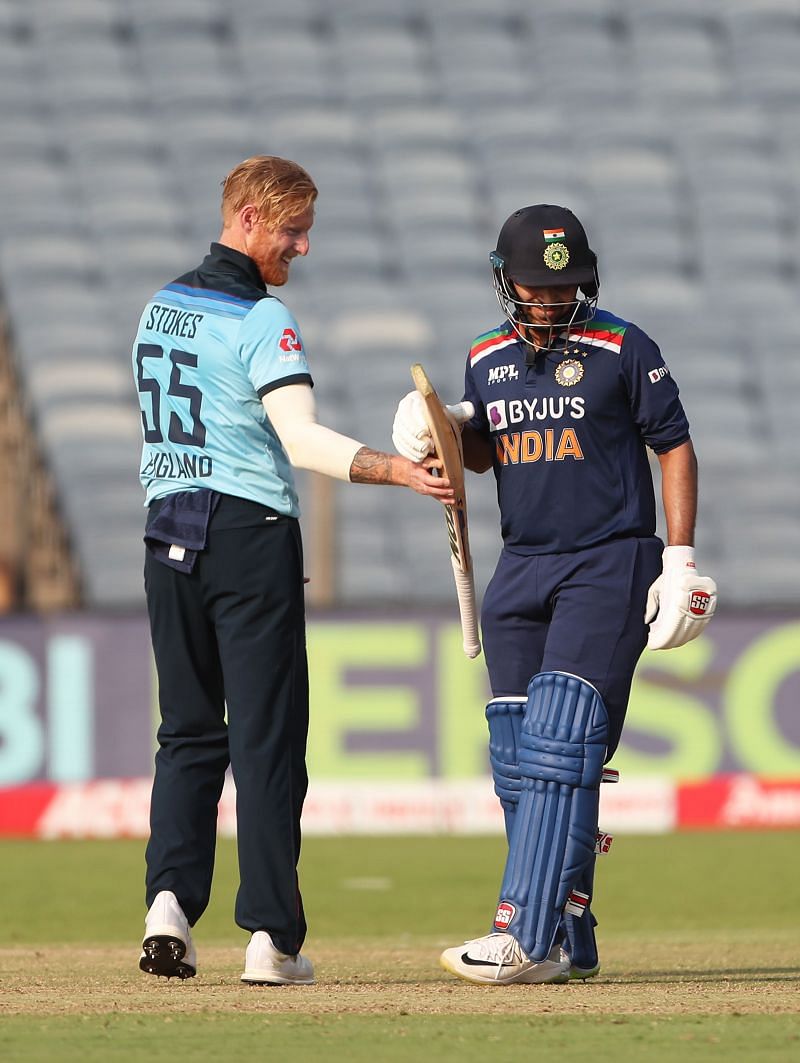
[490, 342]
[605, 334]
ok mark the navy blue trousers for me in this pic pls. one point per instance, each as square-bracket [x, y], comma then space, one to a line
[229, 644]
[581, 613]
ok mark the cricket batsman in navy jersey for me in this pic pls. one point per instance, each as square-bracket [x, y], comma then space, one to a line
[565, 400]
[227, 410]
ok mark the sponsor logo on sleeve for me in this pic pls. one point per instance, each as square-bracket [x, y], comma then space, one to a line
[657, 374]
[290, 341]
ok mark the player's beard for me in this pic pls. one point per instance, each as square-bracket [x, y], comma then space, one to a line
[275, 273]
[542, 335]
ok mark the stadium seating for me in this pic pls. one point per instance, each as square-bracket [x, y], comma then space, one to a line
[669, 126]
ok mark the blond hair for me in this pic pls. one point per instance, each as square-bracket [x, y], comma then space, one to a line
[280, 188]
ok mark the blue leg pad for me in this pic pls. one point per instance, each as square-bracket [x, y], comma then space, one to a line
[562, 747]
[579, 939]
[504, 716]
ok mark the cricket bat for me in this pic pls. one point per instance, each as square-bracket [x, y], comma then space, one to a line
[447, 445]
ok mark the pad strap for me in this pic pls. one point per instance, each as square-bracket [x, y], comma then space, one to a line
[579, 938]
[562, 746]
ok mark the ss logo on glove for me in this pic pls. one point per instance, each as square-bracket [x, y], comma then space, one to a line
[699, 603]
[680, 603]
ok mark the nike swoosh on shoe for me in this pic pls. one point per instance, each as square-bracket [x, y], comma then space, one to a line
[468, 960]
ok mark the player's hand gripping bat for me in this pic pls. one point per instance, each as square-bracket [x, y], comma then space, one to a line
[447, 445]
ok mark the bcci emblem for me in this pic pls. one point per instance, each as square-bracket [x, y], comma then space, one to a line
[556, 256]
[568, 373]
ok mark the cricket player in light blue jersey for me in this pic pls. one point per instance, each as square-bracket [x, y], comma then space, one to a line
[227, 410]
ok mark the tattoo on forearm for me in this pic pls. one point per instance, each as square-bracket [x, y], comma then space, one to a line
[371, 467]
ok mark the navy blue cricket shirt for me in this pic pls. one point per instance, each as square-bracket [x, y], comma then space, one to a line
[570, 432]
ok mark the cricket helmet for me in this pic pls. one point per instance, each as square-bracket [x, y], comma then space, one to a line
[544, 246]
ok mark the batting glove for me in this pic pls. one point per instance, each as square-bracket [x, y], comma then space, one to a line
[410, 432]
[679, 603]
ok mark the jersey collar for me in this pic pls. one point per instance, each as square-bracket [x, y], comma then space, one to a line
[224, 259]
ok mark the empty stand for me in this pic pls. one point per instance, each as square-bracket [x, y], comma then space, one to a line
[669, 127]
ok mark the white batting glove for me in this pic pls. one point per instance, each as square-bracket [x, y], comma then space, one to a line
[410, 433]
[679, 603]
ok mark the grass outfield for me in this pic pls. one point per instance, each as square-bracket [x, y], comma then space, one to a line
[699, 937]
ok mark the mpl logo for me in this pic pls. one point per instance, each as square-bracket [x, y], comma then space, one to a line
[657, 374]
[505, 913]
[290, 341]
[699, 603]
[501, 373]
[496, 412]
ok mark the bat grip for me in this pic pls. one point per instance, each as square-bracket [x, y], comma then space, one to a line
[465, 589]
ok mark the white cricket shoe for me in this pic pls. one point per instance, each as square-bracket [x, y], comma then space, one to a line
[264, 964]
[499, 959]
[582, 973]
[167, 947]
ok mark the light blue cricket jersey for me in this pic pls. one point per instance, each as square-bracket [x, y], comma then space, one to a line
[208, 347]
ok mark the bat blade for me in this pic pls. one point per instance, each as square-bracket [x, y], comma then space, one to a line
[447, 445]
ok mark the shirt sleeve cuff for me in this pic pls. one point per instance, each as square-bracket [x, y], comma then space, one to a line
[298, 378]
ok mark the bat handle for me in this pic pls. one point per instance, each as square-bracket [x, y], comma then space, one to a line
[465, 589]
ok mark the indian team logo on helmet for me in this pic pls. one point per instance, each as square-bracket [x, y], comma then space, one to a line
[505, 913]
[568, 373]
[556, 256]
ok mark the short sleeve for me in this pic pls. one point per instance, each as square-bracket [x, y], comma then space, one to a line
[653, 394]
[271, 347]
[479, 422]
